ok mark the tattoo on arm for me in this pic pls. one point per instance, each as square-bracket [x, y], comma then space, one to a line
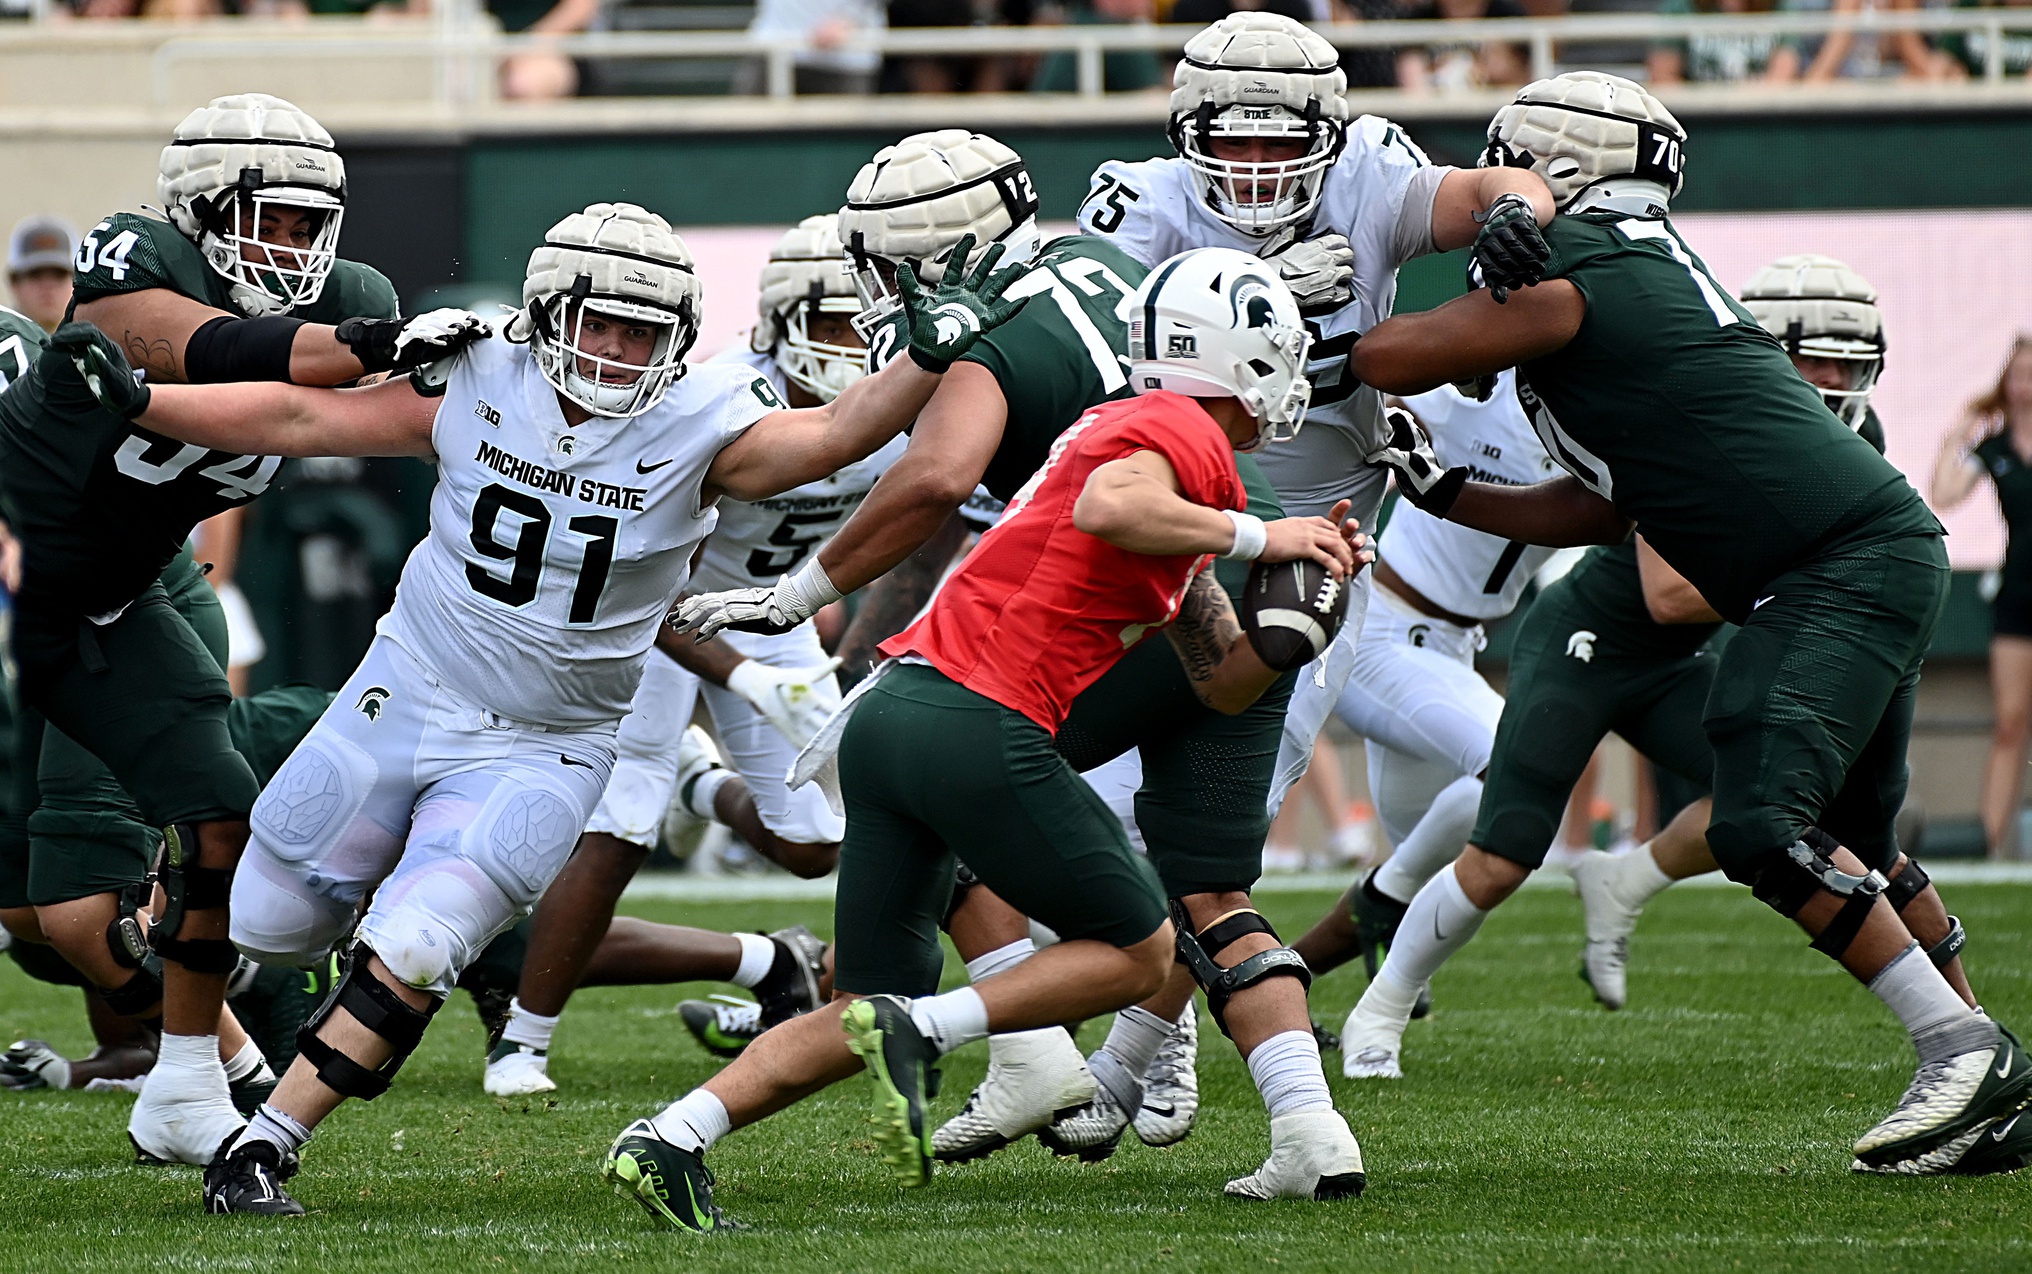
[157, 356]
[1205, 630]
[889, 604]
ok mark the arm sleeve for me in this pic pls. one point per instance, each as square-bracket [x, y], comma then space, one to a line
[1414, 220]
[1395, 184]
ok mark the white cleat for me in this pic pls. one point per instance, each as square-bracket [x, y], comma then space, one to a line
[1171, 1086]
[1605, 961]
[182, 1114]
[1033, 1078]
[518, 1073]
[797, 701]
[1312, 1156]
[1373, 1039]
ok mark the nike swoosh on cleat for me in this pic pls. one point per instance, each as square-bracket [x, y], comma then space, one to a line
[2003, 1130]
[652, 468]
[2004, 1071]
[584, 765]
[1162, 1112]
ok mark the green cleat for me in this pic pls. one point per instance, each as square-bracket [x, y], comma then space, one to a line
[900, 1061]
[672, 1184]
[723, 1025]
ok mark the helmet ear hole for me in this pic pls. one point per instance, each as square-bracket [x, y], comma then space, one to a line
[1260, 367]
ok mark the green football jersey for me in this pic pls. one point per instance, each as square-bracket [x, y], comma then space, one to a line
[21, 339]
[101, 505]
[128, 252]
[1605, 594]
[1672, 403]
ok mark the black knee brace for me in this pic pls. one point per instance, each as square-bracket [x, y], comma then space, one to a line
[187, 888]
[1197, 952]
[964, 881]
[135, 996]
[378, 1008]
[126, 935]
[1907, 885]
[1806, 868]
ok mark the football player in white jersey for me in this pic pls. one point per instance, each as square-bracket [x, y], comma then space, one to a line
[768, 694]
[580, 462]
[1270, 162]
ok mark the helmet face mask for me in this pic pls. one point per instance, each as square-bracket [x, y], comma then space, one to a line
[823, 369]
[1259, 197]
[582, 346]
[808, 302]
[242, 227]
[1218, 323]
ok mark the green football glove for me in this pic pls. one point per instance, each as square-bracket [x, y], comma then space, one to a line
[945, 322]
[103, 368]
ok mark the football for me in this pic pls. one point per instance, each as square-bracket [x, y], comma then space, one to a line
[1291, 611]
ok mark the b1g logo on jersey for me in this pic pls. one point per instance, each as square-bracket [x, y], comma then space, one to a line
[487, 412]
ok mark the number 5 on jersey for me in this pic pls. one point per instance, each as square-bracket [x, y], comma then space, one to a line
[528, 552]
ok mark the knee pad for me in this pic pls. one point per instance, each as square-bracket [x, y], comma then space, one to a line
[1197, 951]
[188, 887]
[1907, 885]
[136, 996]
[1787, 880]
[378, 1008]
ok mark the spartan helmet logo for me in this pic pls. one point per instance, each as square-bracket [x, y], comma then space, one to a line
[1581, 645]
[567, 444]
[372, 699]
[1417, 634]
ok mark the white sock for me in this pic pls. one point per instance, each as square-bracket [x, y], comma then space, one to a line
[1000, 960]
[1135, 1038]
[693, 1122]
[1287, 1072]
[1439, 922]
[704, 789]
[248, 1063]
[531, 1030]
[1636, 878]
[194, 1052]
[758, 956]
[1436, 841]
[951, 1020]
[270, 1124]
[1923, 1000]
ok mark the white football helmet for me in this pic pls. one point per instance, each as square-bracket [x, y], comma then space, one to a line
[1593, 138]
[915, 199]
[1819, 308]
[1260, 75]
[232, 161]
[619, 262]
[1218, 323]
[807, 274]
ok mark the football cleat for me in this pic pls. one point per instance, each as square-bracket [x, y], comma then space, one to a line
[723, 1025]
[248, 1178]
[248, 1094]
[901, 1064]
[791, 986]
[2004, 1146]
[183, 1115]
[517, 1070]
[1605, 961]
[1946, 1102]
[1376, 916]
[1171, 1086]
[672, 1184]
[1033, 1078]
[1372, 1040]
[1312, 1156]
[1089, 1134]
[31, 1064]
[1328, 1041]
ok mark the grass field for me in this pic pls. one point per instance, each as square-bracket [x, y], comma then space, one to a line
[1705, 1127]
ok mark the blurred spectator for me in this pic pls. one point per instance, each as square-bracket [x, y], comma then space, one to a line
[1995, 438]
[39, 256]
[1450, 68]
[1714, 59]
[958, 74]
[1967, 55]
[824, 27]
[1121, 72]
[541, 74]
[1848, 55]
[1207, 12]
[1368, 67]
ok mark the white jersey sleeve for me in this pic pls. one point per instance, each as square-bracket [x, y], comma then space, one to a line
[756, 542]
[1146, 209]
[555, 551]
[1468, 572]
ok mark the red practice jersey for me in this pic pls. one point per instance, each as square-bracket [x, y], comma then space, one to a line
[1040, 609]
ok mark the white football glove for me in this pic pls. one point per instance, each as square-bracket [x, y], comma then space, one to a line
[797, 701]
[1407, 452]
[794, 599]
[437, 334]
[1320, 271]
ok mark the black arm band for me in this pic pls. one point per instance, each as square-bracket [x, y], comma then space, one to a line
[236, 349]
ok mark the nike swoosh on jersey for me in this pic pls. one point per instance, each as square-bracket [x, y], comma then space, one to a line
[1759, 603]
[652, 468]
[584, 765]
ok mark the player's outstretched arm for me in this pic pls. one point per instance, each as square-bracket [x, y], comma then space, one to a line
[1134, 504]
[254, 418]
[1561, 513]
[1467, 337]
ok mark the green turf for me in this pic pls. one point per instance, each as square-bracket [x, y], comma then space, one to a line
[1705, 1127]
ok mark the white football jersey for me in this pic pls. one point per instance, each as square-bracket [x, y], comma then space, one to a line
[1470, 572]
[1379, 194]
[554, 553]
[755, 543]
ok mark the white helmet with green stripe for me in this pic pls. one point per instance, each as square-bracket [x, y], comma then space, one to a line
[1218, 323]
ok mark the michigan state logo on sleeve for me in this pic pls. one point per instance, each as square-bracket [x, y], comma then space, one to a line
[372, 700]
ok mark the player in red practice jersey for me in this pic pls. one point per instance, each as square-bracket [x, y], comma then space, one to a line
[947, 749]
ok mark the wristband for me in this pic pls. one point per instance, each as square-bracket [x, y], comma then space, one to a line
[807, 592]
[1438, 497]
[1250, 536]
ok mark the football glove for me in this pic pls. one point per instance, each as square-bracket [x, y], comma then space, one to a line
[104, 369]
[1510, 251]
[797, 701]
[1409, 456]
[945, 321]
[1320, 272]
[404, 344]
[794, 599]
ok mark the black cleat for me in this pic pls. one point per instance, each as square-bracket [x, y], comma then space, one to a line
[790, 988]
[1376, 916]
[1326, 1039]
[249, 1093]
[2004, 1146]
[723, 1025]
[248, 1177]
[672, 1184]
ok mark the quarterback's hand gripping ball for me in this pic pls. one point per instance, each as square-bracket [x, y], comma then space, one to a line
[104, 369]
[1510, 250]
[945, 321]
[1291, 611]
